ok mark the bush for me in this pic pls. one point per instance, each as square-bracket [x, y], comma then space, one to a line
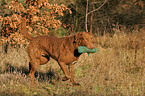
[41, 19]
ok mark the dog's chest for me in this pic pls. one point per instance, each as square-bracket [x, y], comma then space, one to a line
[68, 58]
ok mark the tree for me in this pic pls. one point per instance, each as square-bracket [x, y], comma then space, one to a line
[127, 13]
[91, 12]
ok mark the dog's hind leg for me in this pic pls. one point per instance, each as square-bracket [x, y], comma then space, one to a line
[44, 58]
[33, 65]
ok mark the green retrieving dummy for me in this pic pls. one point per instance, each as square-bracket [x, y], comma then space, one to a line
[83, 49]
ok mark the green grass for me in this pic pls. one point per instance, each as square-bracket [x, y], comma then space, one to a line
[111, 71]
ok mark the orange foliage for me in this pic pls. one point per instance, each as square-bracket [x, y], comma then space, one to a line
[41, 19]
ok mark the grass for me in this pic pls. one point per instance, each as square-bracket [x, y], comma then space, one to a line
[114, 70]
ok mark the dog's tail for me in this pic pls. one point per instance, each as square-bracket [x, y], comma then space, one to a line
[24, 30]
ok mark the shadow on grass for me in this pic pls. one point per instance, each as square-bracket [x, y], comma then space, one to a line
[48, 76]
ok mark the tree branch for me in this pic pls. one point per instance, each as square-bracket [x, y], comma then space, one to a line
[91, 12]
[97, 8]
[86, 16]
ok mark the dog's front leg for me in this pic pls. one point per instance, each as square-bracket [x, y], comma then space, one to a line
[72, 75]
[64, 69]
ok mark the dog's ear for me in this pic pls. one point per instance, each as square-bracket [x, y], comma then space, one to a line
[78, 36]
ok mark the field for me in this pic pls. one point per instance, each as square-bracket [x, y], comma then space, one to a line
[117, 69]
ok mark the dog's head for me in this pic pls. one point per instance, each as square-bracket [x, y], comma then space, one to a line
[85, 39]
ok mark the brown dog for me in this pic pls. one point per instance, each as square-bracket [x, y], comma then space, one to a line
[63, 50]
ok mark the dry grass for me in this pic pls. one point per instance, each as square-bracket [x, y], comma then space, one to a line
[114, 70]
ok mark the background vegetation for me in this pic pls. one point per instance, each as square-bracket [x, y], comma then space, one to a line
[117, 69]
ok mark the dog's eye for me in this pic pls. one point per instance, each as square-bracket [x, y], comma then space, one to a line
[86, 39]
[92, 38]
